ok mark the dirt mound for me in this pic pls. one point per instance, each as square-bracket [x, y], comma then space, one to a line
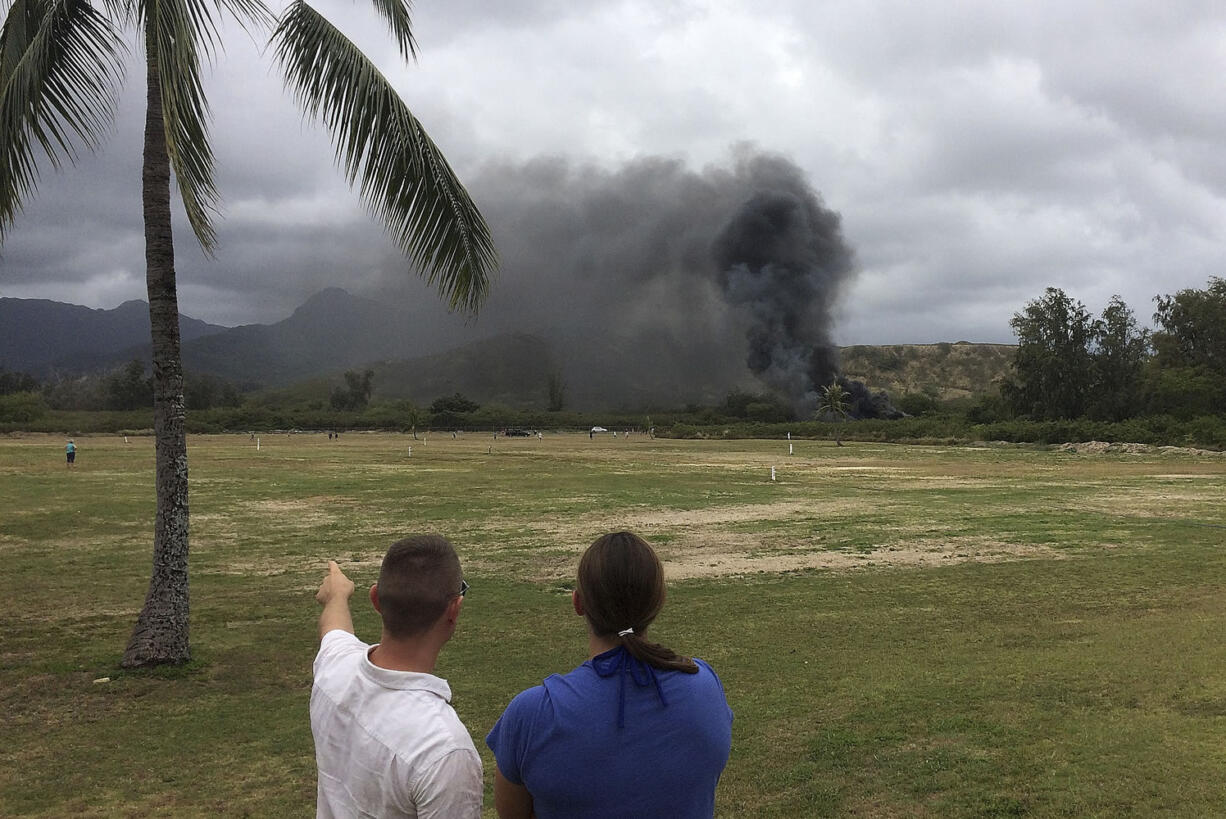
[1101, 447]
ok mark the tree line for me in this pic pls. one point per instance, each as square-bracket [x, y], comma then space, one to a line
[1074, 376]
[1070, 364]
[125, 388]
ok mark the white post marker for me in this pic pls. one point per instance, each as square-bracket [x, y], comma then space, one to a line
[257, 444]
[410, 452]
[789, 447]
[772, 473]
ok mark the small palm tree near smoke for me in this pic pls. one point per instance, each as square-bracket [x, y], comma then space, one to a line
[833, 405]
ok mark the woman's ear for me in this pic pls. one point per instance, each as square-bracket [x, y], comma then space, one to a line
[576, 602]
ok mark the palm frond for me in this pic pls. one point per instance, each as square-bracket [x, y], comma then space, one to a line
[398, 13]
[178, 34]
[181, 34]
[401, 174]
[60, 72]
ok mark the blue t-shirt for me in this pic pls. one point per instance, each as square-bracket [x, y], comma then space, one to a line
[617, 738]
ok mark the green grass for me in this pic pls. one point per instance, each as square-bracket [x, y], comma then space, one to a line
[901, 631]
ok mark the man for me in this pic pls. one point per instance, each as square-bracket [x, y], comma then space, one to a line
[387, 741]
[71, 450]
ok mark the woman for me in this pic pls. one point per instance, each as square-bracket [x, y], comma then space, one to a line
[636, 730]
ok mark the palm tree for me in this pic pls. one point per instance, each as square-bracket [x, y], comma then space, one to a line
[833, 404]
[61, 68]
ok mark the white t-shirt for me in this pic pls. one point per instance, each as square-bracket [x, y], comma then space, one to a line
[387, 743]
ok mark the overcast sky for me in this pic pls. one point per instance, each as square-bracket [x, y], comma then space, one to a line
[976, 152]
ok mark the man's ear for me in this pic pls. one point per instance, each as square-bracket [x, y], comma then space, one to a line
[374, 597]
[453, 608]
[576, 602]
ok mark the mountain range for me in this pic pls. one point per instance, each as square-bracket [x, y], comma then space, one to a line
[334, 331]
[42, 337]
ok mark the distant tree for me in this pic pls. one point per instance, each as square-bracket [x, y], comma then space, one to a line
[355, 395]
[1052, 369]
[453, 403]
[988, 409]
[755, 407]
[129, 388]
[21, 407]
[402, 415]
[1192, 328]
[1118, 355]
[452, 411]
[203, 391]
[11, 382]
[78, 393]
[833, 405]
[916, 403]
[736, 403]
[1187, 375]
[557, 391]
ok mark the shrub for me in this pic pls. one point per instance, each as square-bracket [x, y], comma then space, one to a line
[20, 407]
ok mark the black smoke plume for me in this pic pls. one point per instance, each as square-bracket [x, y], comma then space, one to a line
[782, 257]
[657, 285]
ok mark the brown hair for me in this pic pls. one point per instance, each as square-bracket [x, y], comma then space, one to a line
[621, 586]
[419, 577]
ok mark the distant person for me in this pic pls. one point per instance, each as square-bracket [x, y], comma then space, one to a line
[71, 451]
[636, 730]
[387, 741]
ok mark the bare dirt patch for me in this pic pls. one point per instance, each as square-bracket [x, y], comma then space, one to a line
[715, 563]
[710, 552]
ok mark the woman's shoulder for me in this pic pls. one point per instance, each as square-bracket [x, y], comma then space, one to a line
[529, 698]
[706, 677]
[704, 669]
[539, 695]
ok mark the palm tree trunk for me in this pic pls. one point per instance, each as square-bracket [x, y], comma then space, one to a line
[161, 632]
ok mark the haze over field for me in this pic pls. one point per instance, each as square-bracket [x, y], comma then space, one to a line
[974, 154]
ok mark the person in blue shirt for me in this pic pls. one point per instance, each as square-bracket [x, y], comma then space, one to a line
[71, 450]
[637, 730]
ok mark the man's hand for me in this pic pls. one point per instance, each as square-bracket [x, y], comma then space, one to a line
[333, 595]
[335, 585]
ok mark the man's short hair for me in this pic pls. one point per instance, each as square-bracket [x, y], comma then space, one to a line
[419, 577]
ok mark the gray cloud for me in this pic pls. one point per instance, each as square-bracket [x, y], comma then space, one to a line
[977, 153]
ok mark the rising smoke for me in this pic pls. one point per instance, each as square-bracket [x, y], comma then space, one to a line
[660, 285]
[782, 257]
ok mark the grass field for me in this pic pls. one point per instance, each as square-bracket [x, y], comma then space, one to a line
[901, 630]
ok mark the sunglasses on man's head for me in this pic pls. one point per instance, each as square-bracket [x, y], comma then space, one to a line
[463, 587]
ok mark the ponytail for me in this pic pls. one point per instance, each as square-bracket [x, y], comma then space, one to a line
[656, 655]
